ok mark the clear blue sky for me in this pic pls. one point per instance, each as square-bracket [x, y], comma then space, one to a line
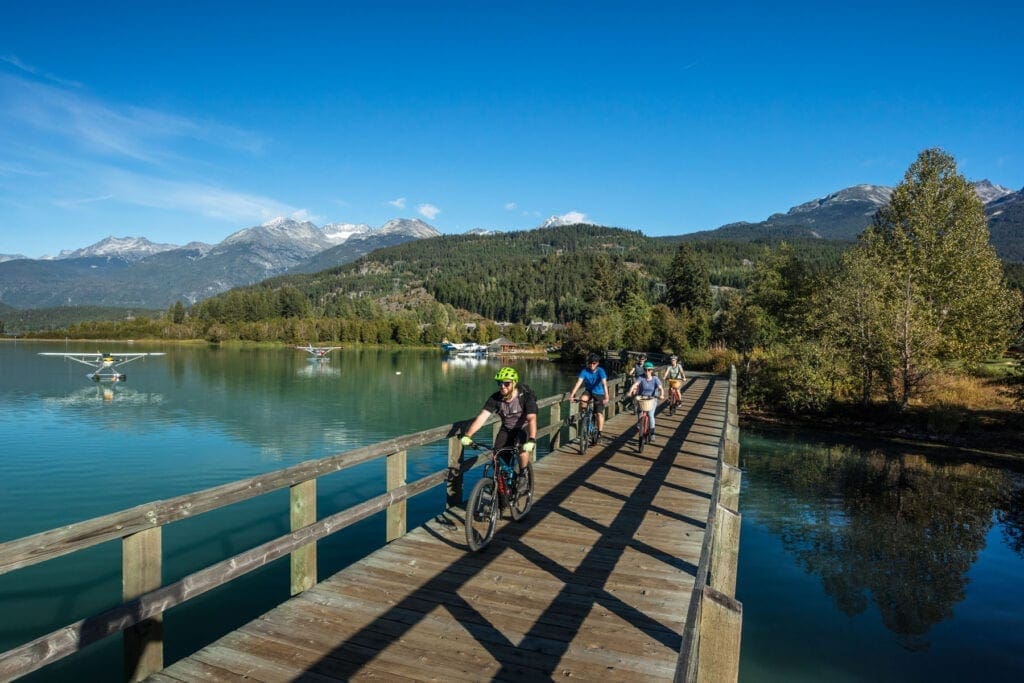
[183, 121]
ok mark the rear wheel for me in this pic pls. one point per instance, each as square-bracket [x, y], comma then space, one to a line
[481, 514]
[522, 499]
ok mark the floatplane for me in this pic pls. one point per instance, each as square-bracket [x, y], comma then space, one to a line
[106, 364]
[317, 352]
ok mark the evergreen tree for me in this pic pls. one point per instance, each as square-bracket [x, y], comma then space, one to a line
[937, 279]
[688, 283]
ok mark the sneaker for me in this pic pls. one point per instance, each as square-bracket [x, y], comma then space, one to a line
[522, 481]
[650, 439]
[598, 437]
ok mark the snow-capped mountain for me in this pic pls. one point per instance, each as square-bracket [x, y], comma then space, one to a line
[571, 218]
[989, 192]
[11, 257]
[871, 197]
[413, 227]
[481, 232]
[339, 232]
[127, 248]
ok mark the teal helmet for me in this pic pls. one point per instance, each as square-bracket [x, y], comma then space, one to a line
[648, 365]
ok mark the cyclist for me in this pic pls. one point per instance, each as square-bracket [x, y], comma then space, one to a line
[516, 406]
[638, 367]
[649, 386]
[675, 376]
[595, 386]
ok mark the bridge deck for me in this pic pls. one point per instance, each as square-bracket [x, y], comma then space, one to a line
[595, 582]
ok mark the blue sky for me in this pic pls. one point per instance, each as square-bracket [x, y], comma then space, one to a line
[183, 121]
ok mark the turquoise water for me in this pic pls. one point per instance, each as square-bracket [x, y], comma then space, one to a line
[866, 564]
[196, 418]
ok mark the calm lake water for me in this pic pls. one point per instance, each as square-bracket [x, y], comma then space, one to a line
[868, 564]
[855, 563]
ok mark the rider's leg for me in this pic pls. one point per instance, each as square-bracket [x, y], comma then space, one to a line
[599, 411]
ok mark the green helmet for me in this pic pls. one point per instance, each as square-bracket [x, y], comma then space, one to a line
[506, 375]
[648, 365]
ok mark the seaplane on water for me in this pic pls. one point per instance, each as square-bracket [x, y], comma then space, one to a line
[466, 349]
[318, 352]
[106, 364]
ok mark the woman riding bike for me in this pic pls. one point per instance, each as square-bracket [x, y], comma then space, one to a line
[649, 386]
[595, 387]
[675, 376]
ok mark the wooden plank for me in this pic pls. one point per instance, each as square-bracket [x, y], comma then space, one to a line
[720, 629]
[725, 551]
[303, 513]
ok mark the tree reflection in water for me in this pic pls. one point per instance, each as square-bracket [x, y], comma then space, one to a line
[897, 529]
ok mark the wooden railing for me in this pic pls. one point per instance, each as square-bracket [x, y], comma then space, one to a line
[140, 616]
[711, 637]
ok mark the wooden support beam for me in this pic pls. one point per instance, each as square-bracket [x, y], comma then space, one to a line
[725, 550]
[729, 491]
[556, 436]
[303, 513]
[396, 475]
[574, 414]
[721, 621]
[454, 485]
[141, 572]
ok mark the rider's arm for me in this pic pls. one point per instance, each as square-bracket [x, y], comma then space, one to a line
[572, 392]
[478, 422]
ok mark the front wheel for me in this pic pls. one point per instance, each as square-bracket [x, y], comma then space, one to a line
[481, 514]
[522, 498]
[641, 434]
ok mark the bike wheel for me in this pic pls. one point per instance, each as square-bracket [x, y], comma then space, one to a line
[481, 514]
[522, 499]
[641, 433]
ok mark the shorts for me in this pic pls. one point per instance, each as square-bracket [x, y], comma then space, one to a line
[599, 399]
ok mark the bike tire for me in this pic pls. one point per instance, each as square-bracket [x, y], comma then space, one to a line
[522, 501]
[640, 434]
[481, 514]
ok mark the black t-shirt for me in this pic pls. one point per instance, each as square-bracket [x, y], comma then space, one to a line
[512, 413]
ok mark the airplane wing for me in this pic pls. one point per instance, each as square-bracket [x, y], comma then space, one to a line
[97, 359]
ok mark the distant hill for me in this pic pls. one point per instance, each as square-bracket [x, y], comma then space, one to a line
[393, 232]
[1006, 224]
[133, 272]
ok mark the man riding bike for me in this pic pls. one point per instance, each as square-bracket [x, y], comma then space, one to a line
[595, 387]
[517, 410]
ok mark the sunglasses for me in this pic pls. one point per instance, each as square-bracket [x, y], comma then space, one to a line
[505, 384]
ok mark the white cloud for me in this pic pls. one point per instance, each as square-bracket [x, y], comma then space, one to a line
[574, 217]
[303, 215]
[192, 197]
[428, 211]
[511, 206]
[398, 203]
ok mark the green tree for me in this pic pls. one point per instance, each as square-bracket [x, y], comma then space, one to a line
[688, 283]
[938, 281]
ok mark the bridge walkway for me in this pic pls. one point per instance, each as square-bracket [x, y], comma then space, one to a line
[595, 582]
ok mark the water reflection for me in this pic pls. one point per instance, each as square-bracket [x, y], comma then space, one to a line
[318, 367]
[893, 529]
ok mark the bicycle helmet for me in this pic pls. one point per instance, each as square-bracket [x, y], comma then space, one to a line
[506, 375]
[648, 365]
[673, 358]
[593, 358]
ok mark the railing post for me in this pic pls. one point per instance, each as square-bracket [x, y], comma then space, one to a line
[725, 550]
[396, 474]
[141, 559]
[574, 413]
[556, 436]
[454, 486]
[729, 491]
[718, 652]
[303, 513]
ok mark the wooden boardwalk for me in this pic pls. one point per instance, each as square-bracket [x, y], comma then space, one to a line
[594, 583]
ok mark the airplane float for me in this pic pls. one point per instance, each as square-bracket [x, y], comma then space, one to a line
[318, 352]
[105, 364]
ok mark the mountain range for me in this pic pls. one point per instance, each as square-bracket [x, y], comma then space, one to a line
[134, 272]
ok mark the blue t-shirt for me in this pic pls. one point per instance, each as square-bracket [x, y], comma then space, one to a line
[649, 387]
[593, 381]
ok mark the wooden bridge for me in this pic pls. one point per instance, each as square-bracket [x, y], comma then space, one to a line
[624, 569]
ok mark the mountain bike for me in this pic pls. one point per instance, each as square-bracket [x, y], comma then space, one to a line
[674, 397]
[587, 426]
[643, 421]
[500, 487]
